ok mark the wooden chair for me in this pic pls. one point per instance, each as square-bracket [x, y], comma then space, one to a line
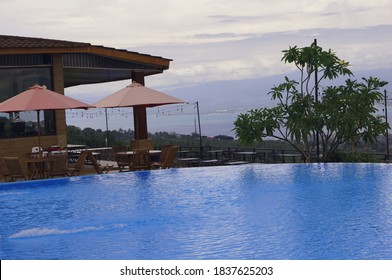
[122, 160]
[139, 160]
[58, 165]
[4, 171]
[14, 168]
[167, 159]
[162, 156]
[164, 150]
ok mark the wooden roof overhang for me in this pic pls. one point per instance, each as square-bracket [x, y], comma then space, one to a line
[83, 63]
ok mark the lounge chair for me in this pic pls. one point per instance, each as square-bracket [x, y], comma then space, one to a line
[121, 159]
[15, 170]
[167, 158]
[139, 160]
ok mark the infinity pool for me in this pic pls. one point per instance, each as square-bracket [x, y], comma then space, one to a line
[288, 211]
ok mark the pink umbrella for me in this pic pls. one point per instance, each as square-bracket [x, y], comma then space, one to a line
[140, 97]
[39, 98]
[136, 95]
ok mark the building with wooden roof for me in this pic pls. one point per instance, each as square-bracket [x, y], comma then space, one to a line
[60, 64]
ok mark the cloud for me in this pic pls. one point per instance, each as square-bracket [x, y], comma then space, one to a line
[133, 23]
[259, 55]
[211, 40]
[225, 36]
[228, 18]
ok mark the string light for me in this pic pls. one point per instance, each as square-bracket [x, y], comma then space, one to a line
[167, 110]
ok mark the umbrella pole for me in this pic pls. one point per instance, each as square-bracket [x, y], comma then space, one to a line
[107, 128]
[200, 137]
[39, 134]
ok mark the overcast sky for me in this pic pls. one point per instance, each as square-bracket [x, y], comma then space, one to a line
[215, 39]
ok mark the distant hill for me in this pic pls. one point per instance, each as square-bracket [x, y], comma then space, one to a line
[241, 95]
[231, 96]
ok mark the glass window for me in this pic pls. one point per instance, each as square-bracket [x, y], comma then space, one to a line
[23, 124]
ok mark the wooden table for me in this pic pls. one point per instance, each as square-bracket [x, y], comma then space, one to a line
[129, 154]
[132, 152]
[74, 152]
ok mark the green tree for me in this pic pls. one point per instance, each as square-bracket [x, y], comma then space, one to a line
[345, 113]
[74, 135]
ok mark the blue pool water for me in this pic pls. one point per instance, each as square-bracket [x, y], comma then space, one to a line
[291, 211]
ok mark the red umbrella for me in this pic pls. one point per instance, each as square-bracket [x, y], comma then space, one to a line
[39, 98]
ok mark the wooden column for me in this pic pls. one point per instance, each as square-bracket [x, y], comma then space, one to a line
[58, 86]
[58, 75]
[139, 112]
